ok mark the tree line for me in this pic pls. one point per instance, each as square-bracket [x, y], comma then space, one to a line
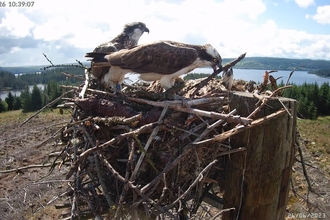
[10, 81]
[32, 100]
[314, 100]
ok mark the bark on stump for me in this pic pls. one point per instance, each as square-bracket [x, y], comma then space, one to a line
[257, 180]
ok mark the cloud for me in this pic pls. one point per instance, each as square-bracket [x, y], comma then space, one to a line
[322, 15]
[15, 24]
[9, 44]
[72, 28]
[305, 3]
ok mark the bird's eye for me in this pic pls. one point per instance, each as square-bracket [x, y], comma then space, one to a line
[215, 60]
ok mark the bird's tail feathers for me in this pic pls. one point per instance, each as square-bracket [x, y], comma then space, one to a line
[97, 56]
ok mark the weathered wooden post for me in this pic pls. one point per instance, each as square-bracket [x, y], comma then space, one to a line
[257, 180]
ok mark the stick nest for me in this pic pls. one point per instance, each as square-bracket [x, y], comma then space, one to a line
[141, 153]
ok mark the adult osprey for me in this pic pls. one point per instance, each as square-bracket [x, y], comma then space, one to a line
[162, 60]
[129, 38]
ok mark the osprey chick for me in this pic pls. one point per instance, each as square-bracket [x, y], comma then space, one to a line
[162, 60]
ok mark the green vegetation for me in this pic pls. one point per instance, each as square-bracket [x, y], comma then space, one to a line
[313, 100]
[272, 63]
[322, 72]
[317, 139]
[35, 100]
[10, 81]
[32, 100]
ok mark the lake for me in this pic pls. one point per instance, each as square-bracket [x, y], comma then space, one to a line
[298, 77]
[4, 94]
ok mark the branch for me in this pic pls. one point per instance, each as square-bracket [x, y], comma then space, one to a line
[28, 167]
[222, 68]
[196, 181]
[223, 136]
[82, 93]
[48, 59]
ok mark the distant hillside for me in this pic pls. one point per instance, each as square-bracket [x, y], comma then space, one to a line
[32, 69]
[271, 63]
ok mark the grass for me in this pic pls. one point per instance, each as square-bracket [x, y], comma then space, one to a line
[19, 116]
[317, 136]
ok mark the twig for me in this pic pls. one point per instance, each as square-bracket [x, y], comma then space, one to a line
[198, 179]
[72, 76]
[287, 82]
[129, 167]
[143, 129]
[219, 213]
[266, 99]
[132, 186]
[64, 65]
[48, 59]
[82, 93]
[27, 167]
[304, 170]
[151, 137]
[46, 106]
[102, 182]
[214, 125]
[225, 67]
[223, 136]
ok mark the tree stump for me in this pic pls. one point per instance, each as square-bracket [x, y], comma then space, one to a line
[257, 180]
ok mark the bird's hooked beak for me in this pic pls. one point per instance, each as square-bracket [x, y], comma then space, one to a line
[216, 66]
[146, 30]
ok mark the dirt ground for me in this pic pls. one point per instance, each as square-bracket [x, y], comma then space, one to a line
[32, 193]
[25, 194]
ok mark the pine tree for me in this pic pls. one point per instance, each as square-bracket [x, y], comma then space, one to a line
[2, 106]
[17, 103]
[10, 101]
[324, 99]
[36, 99]
[26, 100]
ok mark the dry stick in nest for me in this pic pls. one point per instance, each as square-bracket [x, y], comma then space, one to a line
[180, 106]
[98, 167]
[265, 81]
[186, 150]
[213, 126]
[144, 129]
[129, 166]
[72, 76]
[152, 135]
[198, 179]
[132, 186]
[83, 90]
[138, 164]
[63, 65]
[287, 82]
[46, 106]
[264, 101]
[225, 67]
[223, 136]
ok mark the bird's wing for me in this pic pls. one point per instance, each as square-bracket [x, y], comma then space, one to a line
[106, 47]
[160, 57]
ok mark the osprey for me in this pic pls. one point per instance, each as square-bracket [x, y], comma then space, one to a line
[162, 60]
[127, 39]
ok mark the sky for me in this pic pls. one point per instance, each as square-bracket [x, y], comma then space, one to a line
[66, 30]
